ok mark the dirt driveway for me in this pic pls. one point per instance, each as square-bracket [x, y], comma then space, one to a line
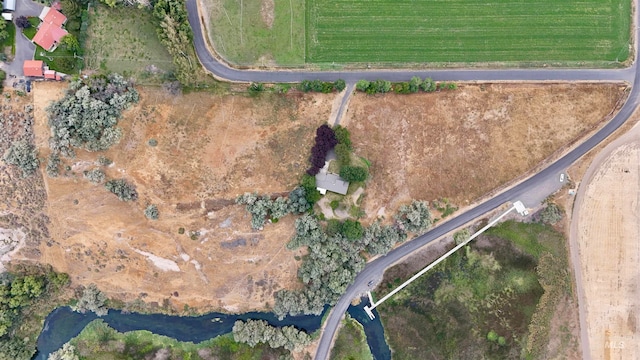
[605, 251]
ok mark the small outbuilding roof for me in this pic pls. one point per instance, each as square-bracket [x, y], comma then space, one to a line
[9, 5]
[331, 182]
[7, 16]
[33, 68]
[49, 74]
[52, 16]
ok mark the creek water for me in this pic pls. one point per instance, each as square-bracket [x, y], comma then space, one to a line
[63, 324]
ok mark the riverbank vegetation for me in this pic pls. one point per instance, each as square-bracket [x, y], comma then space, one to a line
[27, 295]
[98, 341]
[494, 299]
[351, 342]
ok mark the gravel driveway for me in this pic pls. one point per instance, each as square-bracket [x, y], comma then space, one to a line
[24, 47]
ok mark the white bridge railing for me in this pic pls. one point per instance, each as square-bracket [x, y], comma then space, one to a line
[522, 210]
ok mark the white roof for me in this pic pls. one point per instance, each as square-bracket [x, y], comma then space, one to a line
[331, 182]
[44, 12]
[9, 5]
[7, 16]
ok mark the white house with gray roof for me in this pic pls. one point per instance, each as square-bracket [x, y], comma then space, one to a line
[331, 182]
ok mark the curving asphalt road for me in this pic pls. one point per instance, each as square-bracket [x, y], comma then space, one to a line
[376, 268]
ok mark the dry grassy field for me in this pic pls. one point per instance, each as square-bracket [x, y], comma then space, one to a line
[211, 148]
[462, 144]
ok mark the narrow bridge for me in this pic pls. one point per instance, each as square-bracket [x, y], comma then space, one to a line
[518, 206]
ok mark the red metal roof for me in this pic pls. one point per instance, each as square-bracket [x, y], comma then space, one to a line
[33, 68]
[54, 17]
[48, 35]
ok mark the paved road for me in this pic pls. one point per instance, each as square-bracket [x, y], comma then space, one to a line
[376, 268]
[222, 71]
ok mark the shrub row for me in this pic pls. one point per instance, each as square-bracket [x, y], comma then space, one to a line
[412, 86]
[322, 86]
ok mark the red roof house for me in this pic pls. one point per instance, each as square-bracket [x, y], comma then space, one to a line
[50, 31]
[33, 68]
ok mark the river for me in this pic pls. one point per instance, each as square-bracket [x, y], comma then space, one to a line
[63, 324]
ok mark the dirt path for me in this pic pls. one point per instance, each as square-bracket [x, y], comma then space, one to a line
[605, 251]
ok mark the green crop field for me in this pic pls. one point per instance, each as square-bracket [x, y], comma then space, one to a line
[466, 31]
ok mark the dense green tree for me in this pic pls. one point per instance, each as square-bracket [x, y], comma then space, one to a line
[254, 332]
[124, 190]
[363, 85]
[343, 136]
[353, 173]
[339, 85]
[351, 229]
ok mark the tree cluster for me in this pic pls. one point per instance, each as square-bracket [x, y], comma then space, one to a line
[379, 239]
[322, 86]
[331, 265]
[253, 332]
[124, 190]
[324, 142]
[86, 117]
[92, 300]
[175, 34]
[334, 255]
[263, 207]
[415, 218]
[19, 292]
[23, 155]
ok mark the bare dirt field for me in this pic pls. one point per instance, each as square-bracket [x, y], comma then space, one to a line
[462, 144]
[605, 231]
[209, 150]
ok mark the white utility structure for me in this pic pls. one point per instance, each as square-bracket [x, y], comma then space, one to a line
[518, 206]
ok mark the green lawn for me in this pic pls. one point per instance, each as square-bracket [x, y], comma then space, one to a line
[463, 31]
[11, 39]
[31, 31]
[61, 59]
[242, 37]
[124, 40]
